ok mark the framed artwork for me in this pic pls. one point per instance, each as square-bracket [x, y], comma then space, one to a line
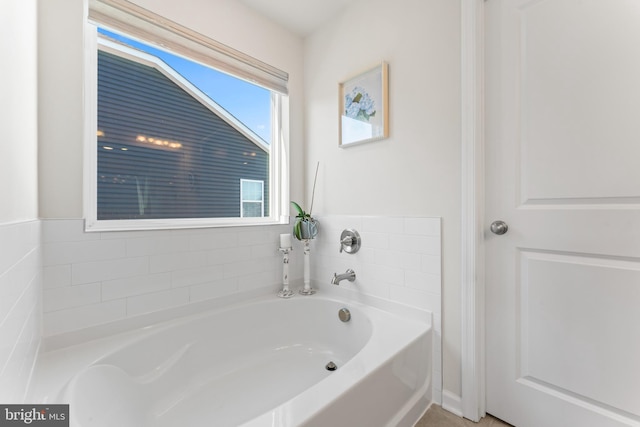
[364, 107]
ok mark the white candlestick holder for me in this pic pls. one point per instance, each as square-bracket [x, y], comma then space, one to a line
[285, 292]
[307, 289]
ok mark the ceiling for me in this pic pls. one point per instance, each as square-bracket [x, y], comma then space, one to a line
[299, 16]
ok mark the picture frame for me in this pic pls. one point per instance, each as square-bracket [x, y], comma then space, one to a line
[364, 107]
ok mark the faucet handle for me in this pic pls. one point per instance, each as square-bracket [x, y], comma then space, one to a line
[347, 241]
[350, 241]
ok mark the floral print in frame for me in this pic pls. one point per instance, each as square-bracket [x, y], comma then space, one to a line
[364, 114]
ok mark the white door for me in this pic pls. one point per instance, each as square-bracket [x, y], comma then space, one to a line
[563, 171]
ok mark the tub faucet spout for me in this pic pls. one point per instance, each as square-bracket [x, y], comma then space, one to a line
[350, 275]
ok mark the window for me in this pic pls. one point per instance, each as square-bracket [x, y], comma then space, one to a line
[177, 143]
[251, 198]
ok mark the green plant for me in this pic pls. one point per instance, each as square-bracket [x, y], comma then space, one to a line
[303, 217]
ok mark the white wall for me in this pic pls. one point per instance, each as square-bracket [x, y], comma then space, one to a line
[20, 266]
[416, 171]
[60, 107]
[61, 84]
[18, 111]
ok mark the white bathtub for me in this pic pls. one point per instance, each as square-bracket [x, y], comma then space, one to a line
[257, 364]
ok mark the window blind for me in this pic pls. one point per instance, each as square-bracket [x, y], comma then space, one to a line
[122, 15]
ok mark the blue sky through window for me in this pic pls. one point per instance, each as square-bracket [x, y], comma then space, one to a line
[247, 102]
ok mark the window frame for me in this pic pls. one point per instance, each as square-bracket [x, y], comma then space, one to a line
[278, 161]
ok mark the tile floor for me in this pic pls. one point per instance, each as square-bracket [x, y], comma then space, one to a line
[438, 417]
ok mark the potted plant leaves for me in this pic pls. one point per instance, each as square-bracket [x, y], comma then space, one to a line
[306, 227]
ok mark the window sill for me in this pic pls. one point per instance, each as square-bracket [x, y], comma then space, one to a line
[178, 224]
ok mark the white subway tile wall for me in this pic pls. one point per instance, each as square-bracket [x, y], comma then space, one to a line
[96, 278]
[20, 307]
[400, 260]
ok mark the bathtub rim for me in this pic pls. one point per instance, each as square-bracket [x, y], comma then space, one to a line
[131, 325]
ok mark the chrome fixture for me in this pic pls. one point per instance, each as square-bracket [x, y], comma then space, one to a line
[344, 314]
[285, 248]
[350, 275]
[331, 366]
[350, 241]
[499, 227]
[307, 289]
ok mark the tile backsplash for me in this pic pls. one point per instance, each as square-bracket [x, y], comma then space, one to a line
[99, 277]
[20, 307]
[400, 258]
